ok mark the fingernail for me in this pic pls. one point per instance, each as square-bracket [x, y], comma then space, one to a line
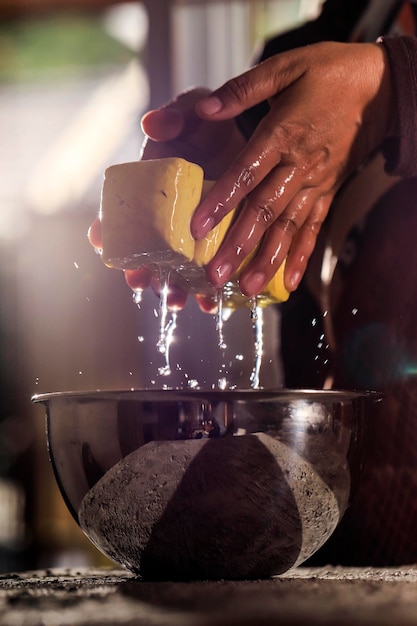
[202, 230]
[255, 283]
[295, 280]
[210, 105]
[224, 272]
[176, 299]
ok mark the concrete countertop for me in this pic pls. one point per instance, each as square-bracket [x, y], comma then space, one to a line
[303, 597]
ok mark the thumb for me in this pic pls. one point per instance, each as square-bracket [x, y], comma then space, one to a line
[174, 118]
[163, 124]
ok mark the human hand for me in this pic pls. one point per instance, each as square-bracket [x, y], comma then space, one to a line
[141, 279]
[330, 108]
[175, 130]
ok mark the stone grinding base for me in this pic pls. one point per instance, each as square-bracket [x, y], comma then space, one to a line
[230, 508]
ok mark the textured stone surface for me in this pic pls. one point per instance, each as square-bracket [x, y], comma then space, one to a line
[302, 597]
[228, 508]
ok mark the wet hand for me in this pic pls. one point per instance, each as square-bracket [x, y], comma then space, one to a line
[175, 130]
[145, 277]
[330, 107]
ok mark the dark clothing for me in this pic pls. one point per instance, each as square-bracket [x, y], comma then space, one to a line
[401, 153]
[376, 346]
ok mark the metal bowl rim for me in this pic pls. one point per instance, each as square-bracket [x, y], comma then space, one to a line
[172, 394]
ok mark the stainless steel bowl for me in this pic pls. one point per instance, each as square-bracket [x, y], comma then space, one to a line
[186, 485]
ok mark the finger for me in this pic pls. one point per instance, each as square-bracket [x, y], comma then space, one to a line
[272, 252]
[176, 298]
[163, 124]
[252, 87]
[138, 280]
[263, 209]
[168, 122]
[277, 242]
[304, 243]
[262, 153]
[207, 304]
[94, 234]
[291, 238]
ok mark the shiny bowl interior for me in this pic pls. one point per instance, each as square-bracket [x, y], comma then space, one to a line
[186, 485]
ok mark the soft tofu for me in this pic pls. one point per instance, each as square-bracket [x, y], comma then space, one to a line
[275, 290]
[206, 248]
[146, 208]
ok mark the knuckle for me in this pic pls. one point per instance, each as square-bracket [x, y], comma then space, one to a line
[287, 225]
[246, 177]
[263, 213]
[239, 89]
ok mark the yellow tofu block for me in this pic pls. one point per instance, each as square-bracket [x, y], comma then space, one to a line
[145, 213]
[274, 292]
[206, 248]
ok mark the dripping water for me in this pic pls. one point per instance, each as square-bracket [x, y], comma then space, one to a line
[137, 297]
[168, 327]
[169, 332]
[256, 313]
[219, 319]
[167, 323]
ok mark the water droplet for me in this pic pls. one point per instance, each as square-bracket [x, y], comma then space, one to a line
[253, 304]
[137, 297]
[164, 371]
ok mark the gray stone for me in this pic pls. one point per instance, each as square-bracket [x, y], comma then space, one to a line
[227, 508]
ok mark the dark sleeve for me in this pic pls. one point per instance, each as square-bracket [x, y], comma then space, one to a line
[401, 152]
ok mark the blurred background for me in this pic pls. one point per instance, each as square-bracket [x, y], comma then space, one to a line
[75, 78]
